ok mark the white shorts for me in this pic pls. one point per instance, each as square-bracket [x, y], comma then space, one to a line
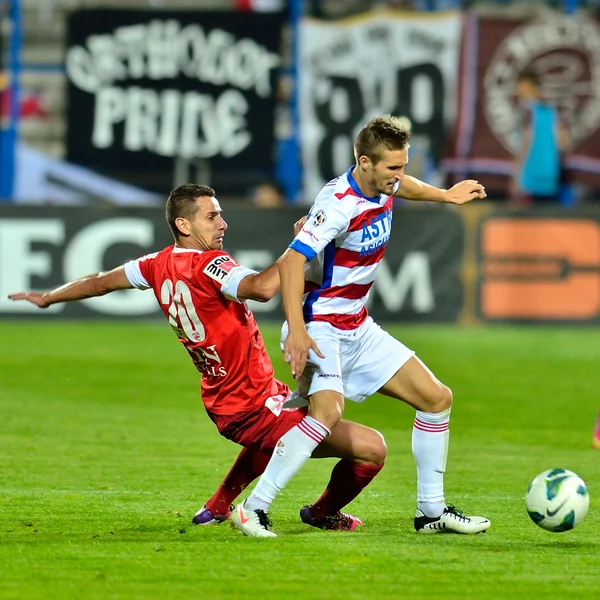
[357, 362]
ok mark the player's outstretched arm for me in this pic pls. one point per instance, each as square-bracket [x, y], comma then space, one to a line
[461, 193]
[89, 286]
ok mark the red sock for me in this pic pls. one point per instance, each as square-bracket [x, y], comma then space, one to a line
[348, 480]
[247, 467]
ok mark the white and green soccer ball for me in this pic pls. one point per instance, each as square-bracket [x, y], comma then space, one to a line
[557, 500]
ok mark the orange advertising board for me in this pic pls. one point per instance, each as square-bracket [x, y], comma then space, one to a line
[539, 269]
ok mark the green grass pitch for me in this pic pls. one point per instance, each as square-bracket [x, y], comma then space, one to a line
[106, 453]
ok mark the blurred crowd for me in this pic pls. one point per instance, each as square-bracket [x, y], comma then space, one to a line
[538, 177]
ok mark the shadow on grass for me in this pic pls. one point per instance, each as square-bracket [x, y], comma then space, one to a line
[530, 545]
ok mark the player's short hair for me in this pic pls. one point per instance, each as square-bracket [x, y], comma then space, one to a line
[531, 76]
[380, 134]
[182, 203]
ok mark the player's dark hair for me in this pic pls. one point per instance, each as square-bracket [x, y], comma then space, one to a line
[380, 134]
[531, 76]
[182, 203]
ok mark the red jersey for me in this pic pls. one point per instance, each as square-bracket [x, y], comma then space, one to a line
[197, 292]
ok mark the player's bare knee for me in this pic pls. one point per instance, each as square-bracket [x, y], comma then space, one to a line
[330, 416]
[440, 400]
[448, 398]
[445, 398]
[370, 448]
[378, 449]
[327, 409]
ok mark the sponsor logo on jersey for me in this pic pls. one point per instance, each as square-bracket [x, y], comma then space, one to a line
[378, 225]
[310, 234]
[370, 249]
[218, 268]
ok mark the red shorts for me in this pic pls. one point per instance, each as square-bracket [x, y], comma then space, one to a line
[259, 429]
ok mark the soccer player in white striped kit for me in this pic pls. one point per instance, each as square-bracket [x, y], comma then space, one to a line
[335, 349]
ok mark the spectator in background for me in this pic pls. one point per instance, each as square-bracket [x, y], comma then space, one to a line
[3, 94]
[268, 195]
[543, 139]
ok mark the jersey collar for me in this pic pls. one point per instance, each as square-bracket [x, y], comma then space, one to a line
[355, 187]
[180, 250]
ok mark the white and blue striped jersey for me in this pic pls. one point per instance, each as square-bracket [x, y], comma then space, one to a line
[343, 240]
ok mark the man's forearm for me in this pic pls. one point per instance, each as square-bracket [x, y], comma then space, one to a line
[415, 189]
[89, 286]
[261, 286]
[85, 287]
[292, 290]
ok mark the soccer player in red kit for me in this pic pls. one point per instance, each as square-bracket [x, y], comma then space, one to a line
[201, 290]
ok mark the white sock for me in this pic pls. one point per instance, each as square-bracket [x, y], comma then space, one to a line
[430, 448]
[292, 450]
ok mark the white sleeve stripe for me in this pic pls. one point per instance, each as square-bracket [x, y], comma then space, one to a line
[230, 285]
[133, 273]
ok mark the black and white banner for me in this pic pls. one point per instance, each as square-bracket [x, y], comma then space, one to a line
[351, 70]
[419, 279]
[150, 92]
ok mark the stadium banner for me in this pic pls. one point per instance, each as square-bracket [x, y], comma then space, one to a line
[565, 51]
[419, 279]
[351, 70]
[160, 96]
[542, 267]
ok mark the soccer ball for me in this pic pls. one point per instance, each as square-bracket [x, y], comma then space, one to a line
[557, 500]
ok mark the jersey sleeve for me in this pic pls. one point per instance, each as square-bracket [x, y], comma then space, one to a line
[326, 220]
[134, 270]
[227, 274]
